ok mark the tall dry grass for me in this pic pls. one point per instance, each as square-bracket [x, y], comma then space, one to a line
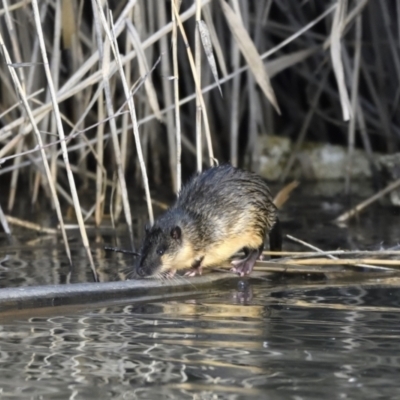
[147, 91]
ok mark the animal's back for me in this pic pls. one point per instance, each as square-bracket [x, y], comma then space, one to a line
[228, 202]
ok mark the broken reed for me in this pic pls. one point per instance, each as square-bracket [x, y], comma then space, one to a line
[162, 85]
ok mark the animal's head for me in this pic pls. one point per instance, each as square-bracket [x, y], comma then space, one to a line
[160, 247]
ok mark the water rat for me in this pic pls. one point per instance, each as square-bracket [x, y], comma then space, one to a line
[219, 212]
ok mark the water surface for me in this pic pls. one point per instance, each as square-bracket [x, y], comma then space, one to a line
[278, 338]
[297, 341]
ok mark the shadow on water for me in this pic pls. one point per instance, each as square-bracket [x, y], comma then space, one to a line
[281, 338]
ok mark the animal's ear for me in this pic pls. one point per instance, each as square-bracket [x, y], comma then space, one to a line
[176, 232]
[147, 227]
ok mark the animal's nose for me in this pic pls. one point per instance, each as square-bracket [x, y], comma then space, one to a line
[141, 271]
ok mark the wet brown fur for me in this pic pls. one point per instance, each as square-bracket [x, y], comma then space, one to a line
[219, 212]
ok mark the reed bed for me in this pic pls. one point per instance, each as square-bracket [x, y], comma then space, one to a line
[101, 101]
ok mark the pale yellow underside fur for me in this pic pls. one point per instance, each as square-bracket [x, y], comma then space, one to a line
[214, 255]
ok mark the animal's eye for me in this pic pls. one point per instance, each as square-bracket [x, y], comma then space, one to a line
[160, 252]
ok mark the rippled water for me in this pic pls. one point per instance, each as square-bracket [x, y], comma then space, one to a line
[301, 341]
[282, 338]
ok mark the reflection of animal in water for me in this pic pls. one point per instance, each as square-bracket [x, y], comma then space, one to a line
[219, 212]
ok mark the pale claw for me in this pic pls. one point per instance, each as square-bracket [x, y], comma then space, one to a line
[236, 262]
[237, 267]
[237, 271]
[170, 274]
[194, 272]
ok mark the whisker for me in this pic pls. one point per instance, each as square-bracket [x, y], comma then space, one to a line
[188, 281]
[118, 250]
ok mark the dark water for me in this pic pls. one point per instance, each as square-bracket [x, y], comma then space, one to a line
[298, 342]
[283, 338]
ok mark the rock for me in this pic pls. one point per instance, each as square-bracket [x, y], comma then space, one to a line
[314, 161]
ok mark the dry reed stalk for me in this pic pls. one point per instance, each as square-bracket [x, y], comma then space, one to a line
[176, 98]
[149, 139]
[197, 49]
[60, 130]
[144, 69]
[100, 192]
[376, 82]
[15, 174]
[336, 33]
[197, 85]
[69, 26]
[167, 95]
[249, 52]
[234, 97]
[269, 266]
[71, 16]
[36, 186]
[144, 142]
[37, 148]
[89, 63]
[10, 97]
[306, 27]
[342, 261]
[296, 57]
[208, 50]
[394, 52]
[354, 102]
[302, 242]
[9, 146]
[14, 42]
[329, 256]
[358, 8]
[4, 222]
[67, 197]
[378, 253]
[262, 266]
[14, 7]
[115, 178]
[105, 67]
[359, 207]
[100, 171]
[29, 225]
[125, 131]
[17, 104]
[273, 68]
[40, 143]
[209, 73]
[131, 105]
[253, 151]
[354, 12]
[283, 195]
[215, 41]
[74, 85]
[55, 68]
[91, 175]
[18, 58]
